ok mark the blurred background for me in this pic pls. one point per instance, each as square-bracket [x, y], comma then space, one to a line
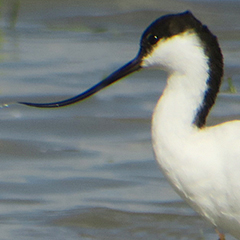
[87, 171]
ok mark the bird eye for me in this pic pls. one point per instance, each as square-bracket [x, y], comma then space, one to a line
[152, 39]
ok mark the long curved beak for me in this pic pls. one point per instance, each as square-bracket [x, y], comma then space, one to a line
[128, 68]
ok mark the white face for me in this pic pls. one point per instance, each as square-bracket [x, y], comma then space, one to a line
[178, 53]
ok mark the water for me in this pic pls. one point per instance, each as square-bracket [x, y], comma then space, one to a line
[88, 171]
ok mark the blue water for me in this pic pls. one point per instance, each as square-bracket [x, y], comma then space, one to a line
[88, 171]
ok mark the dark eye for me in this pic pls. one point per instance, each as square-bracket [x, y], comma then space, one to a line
[152, 39]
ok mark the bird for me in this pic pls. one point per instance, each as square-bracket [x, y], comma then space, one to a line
[202, 163]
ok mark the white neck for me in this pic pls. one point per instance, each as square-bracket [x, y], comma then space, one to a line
[178, 106]
[184, 58]
[174, 115]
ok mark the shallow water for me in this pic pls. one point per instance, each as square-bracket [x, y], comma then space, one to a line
[88, 171]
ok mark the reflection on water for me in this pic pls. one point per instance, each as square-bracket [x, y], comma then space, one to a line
[88, 171]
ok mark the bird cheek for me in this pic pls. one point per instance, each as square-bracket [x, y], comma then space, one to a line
[146, 63]
[150, 61]
[153, 61]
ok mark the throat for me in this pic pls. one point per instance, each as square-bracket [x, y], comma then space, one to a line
[184, 104]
